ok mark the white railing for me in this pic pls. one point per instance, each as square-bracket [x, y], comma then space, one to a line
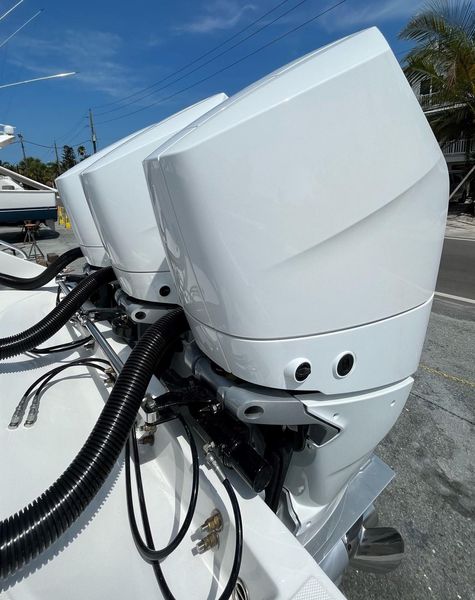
[5, 246]
[426, 100]
[458, 147]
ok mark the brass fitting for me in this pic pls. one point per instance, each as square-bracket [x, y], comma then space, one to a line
[214, 523]
[207, 543]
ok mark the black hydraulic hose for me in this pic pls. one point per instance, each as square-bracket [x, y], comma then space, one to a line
[32, 283]
[56, 370]
[59, 316]
[35, 403]
[146, 523]
[147, 551]
[29, 532]
[166, 592]
[64, 347]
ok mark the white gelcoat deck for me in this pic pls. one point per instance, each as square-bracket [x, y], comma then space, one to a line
[327, 193]
[97, 559]
[116, 191]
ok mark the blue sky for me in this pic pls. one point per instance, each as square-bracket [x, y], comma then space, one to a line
[119, 48]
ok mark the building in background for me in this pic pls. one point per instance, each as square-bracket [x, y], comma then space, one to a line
[459, 153]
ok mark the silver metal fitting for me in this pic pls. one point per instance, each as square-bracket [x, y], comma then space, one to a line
[18, 414]
[110, 376]
[149, 411]
[212, 460]
[91, 345]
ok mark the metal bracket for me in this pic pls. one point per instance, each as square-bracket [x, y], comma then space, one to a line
[248, 403]
[141, 312]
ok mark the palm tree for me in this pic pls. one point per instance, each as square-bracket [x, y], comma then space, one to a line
[443, 59]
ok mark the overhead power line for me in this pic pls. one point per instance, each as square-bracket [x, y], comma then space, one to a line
[5, 41]
[51, 147]
[73, 131]
[229, 66]
[35, 144]
[191, 63]
[5, 14]
[210, 60]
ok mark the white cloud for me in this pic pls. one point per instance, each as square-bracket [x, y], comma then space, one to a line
[218, 15]
[93, 54]
[365, 13]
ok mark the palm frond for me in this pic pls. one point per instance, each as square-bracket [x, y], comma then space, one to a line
[444, 57]
[441, 19]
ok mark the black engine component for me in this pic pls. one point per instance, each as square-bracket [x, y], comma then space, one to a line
[233, 444]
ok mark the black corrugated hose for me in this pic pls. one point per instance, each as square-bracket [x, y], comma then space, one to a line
[32, 283]
[59, 316]
[29, 532]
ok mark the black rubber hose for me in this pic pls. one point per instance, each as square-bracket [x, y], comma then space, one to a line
[59, 316]
[64, 347]
[146, 525]
[146, 550]
[32, 416]
[32, 283]
[29, 532]
[166, 592]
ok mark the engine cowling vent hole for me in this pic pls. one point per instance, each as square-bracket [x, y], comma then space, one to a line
[344, 364]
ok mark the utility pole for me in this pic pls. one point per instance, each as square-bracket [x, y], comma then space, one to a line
[93, 132]
[57, 158]
[20, 137]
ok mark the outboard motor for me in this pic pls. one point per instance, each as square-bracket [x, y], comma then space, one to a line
[303, 224]
[74, 201]
[117, 194]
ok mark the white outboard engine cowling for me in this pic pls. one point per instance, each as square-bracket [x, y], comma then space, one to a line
[116, 190]
[74, 201]
[303, 221]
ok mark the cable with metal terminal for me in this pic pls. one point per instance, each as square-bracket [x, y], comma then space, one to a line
[20, 410]
[35, 403]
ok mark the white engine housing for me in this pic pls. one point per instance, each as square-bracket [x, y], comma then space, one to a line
[116, 190]
[74, 201]
[327, 193]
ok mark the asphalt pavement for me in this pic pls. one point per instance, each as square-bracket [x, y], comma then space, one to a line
[431, 448]
[457, 268]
